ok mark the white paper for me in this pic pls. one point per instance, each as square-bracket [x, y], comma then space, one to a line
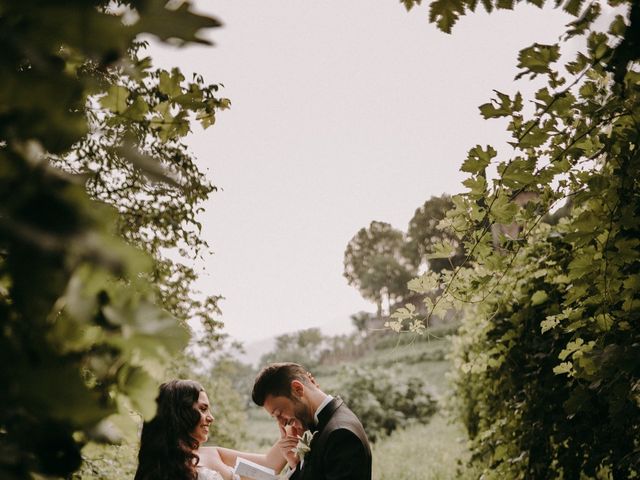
[252, 470]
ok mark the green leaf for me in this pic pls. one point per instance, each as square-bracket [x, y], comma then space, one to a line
[564, 367]
[137, 110]
[477, 186]
[409, 4]
[445, 13]
[572, 7]
[500, 107]
[604, 321]
[503, 209]
[539, 297]
[170, 84]
[141, 388]
[206, 119]
[505, 4]
[519, 172]
[581, 265]
[536, 59]
[579, 64]
[425, 283]
[478, 159]
[572, 347]
[180, 24]
[582, 24]
[628, 248]
[115, 99]
[549, 323]
[618, 27]
[442, 250]
[408, 312]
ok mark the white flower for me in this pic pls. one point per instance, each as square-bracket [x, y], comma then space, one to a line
[304, 444]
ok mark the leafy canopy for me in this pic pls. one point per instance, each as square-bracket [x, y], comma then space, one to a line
[84, 123]
[546, 362]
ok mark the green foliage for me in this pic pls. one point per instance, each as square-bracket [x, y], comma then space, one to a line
[375, 265]
[380, 260]
[108, 462]
[362, 320]
[446, 13]
[138, 164]
[304, 347]
[82, 342]
[385, 404]
[546, 364]
[435, 451]
[424, 234]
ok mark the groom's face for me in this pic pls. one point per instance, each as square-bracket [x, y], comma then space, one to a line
[290, 411]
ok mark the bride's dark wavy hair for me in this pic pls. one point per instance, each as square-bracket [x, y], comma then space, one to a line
[167, 444]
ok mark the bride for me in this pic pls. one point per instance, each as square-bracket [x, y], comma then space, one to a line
[171, 443]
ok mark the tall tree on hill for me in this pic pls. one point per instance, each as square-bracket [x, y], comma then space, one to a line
[375, 265]
[423, 233]
[303, 346]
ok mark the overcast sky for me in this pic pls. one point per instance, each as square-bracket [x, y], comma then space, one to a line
[343, 112]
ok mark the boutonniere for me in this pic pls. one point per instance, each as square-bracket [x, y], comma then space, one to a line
[304, 444]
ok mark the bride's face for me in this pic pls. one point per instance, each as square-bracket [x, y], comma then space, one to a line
[201, 431]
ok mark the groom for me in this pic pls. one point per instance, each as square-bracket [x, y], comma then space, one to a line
[339, 449]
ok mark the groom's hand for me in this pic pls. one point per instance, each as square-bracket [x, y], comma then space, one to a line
[288, 441]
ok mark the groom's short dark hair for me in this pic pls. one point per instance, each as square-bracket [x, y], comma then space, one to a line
[275, 380]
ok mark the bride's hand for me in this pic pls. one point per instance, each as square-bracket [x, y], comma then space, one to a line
[286, 444]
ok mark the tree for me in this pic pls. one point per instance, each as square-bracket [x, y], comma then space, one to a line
[546, 364]
[134, 160]
[361, 321]
[374, 264]
[82, 340]
[423, 234]
[303, 347]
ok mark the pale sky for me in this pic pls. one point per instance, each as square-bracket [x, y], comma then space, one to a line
[343, 112]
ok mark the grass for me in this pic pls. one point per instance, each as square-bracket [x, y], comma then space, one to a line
[435, 451]
[425, 359]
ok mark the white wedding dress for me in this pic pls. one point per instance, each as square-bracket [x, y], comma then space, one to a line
[206, 474]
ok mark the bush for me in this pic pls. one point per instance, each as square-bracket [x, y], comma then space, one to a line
[385, 404]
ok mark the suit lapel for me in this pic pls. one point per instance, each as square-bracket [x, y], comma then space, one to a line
[323, 418]
[326, 413]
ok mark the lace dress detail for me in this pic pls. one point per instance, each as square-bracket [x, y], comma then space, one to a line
[206, 474]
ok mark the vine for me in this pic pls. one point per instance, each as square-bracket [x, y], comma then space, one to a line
[546, 362]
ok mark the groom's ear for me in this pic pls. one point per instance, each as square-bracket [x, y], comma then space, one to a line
[297, 388]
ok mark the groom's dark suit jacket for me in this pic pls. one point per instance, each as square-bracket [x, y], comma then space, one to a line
[340, 450]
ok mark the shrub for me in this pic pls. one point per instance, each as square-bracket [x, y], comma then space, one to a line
[384, 403]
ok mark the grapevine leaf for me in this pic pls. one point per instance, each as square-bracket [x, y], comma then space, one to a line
[536, 59]
[115, 99]
[478, 159]
[539, 297]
